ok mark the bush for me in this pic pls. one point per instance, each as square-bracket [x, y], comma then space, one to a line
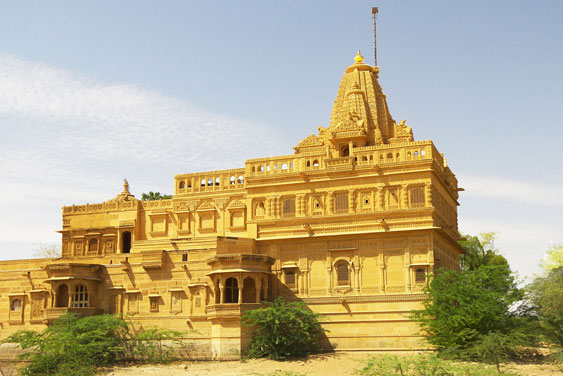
[546, 293]
[283, 330]
[72, 346]
[75, 346]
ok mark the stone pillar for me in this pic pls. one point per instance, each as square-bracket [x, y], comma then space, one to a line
[329, 202]
[379, 204]
[258, 284]
[404, 196]
[357, 279]
[240, 286]
[221, 291]
[408, 286]
[428, 192]
[352, 201]
[329, 280]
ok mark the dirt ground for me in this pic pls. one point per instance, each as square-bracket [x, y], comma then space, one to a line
[325, 365]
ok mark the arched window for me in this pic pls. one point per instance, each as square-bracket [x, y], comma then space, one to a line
[284, 166]
[419, 275]
[308, 163]
[93, 245]
[260, 209]
[231, 290]
[365, 158]
[232, 180]
[210, 182]
[182, 185]
[217, 182]
[240, 180]
[342, 273]
[203, 182]
[189, 183]
[261, 168]
[126, 241]
[315, 163]
[80, 297]
[16, 305]
[389, 156]
[345, 151]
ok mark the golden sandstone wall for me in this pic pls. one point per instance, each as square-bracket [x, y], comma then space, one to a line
[350, 224]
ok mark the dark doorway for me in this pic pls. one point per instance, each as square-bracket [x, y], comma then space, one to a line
[345, 151]
[126, 242]
[62, 296]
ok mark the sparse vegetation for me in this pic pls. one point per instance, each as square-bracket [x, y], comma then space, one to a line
[283, 330]
[423, 365]
[76, 346]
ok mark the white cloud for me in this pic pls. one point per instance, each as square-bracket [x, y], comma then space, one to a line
[511, 189]
[67, 138]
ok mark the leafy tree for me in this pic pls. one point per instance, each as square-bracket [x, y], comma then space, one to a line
[480, 250]
[461, 306]
[546, 294]
[153, 196]
[283, 330]
[553, 258]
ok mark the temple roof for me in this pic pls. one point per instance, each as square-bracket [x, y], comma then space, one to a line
[360, 113]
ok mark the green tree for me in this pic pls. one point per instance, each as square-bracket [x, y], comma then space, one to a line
[546, 294]
[153, 196]
[553, 258]
[283, 330]
[462, 306]
[480, 250]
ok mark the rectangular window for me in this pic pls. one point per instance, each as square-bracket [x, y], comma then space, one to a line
[341, 202]
[290, 278]
[288, 207]
[417, 197]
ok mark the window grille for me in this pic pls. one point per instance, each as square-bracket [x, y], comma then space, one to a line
[80, 297]
[342, 274]
[289, 207]
[417, 197]
[341, 203]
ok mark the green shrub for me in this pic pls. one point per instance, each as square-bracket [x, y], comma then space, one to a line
[283, 330]
[75, 346]
[72, 346]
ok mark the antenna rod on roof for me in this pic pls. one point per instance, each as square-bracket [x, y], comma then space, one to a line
[374, 12]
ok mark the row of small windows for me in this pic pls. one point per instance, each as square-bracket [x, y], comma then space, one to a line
[263, 168]
[212, 183]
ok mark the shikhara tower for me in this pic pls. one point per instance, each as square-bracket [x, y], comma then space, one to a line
[350, 224]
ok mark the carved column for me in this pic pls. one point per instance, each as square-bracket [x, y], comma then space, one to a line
[379, 204]
[240, 285]
[352, 201]
[404, 196]
[329, 202]
[221, 291]
[428, 191]
[269, 207]
[408, 285]
[357, 278]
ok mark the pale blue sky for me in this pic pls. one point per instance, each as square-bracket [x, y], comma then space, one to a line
[91, 92]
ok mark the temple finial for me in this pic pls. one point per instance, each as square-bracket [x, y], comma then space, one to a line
[359, 58]
[125, 186]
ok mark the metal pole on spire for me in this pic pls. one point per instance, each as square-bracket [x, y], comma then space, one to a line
[374, 12]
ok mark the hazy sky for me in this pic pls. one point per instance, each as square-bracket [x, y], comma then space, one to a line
[92, 92]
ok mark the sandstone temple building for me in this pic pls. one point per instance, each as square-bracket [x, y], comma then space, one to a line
[350, 223]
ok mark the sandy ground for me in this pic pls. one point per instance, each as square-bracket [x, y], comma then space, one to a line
[325, 365]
